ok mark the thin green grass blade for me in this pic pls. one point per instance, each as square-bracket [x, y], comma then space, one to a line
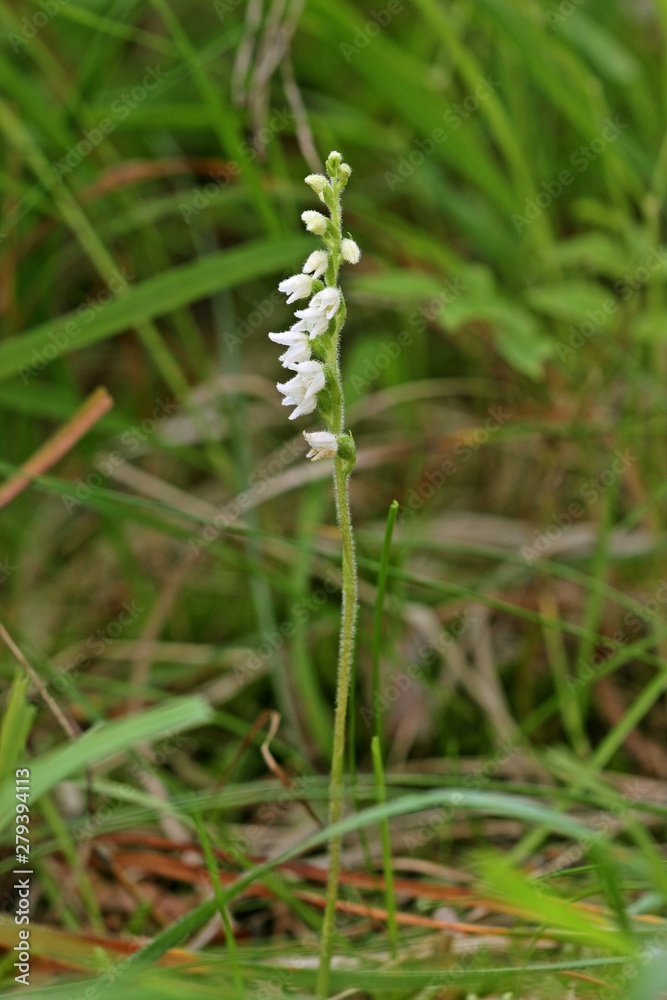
[377, 620]
[212, 866]
[387, 860]
[17, 720]
[487, 803]
[101, 742]
[154, 297]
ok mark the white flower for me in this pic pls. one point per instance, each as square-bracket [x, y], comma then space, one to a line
[299, 286]
[315, 222]
[314, 320]
[351, 252]
[316, 263]
[322, 445]
[297, 342]
[301, 391]
[296, 354]
[326, 301]
[291, 336]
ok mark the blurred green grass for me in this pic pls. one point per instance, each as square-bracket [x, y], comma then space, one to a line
[506, 342]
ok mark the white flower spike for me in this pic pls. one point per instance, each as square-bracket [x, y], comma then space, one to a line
[312, 341]
[316, 263]
[299, 286]
[323, 444]
[315, 222]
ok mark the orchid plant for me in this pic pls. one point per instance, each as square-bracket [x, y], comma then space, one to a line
[313, 354]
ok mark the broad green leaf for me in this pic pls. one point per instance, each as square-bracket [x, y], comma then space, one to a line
[573, 301]
[593, 252]
[520, 341]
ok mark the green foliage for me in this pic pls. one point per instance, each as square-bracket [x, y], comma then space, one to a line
[505, 344]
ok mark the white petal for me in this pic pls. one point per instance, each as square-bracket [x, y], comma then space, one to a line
[289, 337]
[315, 384]
[294, 388]
[311, 368]
[327, 301]
[316, 263]
[306, 406]
[295, 355]
[315, 320]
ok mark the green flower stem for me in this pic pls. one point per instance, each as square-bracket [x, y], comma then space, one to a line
[341, 479]
[345, 663]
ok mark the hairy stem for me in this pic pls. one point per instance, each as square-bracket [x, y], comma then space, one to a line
[345, 663]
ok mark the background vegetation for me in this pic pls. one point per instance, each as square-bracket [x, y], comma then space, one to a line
[170, 568]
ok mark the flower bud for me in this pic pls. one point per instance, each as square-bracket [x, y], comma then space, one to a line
[350, 250]
[323, 444]
[315, 222]
[334, 160]
[343, 172]
[318, 183]
[316, 263]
